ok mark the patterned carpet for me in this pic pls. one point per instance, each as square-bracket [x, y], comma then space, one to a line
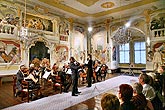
[65, 100]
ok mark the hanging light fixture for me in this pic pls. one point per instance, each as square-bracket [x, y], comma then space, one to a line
[23, 31]
[123, 34]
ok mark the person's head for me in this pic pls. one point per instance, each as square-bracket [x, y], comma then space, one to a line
[137, 88]
[125, 92]
[72, 59]
[144, 79]
[89, 56]
[22, 68]
[110, 102]
[32, 65]
[31, 70]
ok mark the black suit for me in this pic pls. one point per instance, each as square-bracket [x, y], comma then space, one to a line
[74, 68]
[20, 77]
[89, 72]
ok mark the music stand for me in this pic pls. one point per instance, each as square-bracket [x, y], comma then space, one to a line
[95, 88]
[130, 71]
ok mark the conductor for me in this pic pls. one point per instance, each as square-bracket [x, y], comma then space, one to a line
[74, 66]
[89, 71]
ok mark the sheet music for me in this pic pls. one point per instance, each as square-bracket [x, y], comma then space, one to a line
[97, 69]
[69, 71]
[46, 74]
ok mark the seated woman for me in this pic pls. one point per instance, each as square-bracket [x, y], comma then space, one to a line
[110, 102]
[125, 94]
[32, 79]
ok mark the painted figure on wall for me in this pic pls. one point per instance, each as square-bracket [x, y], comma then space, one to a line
[38, 23]
[9, 53]
[114, 53]
[64, 28]
[82, 57]
[157, 59]
[61, 54]
[103, 56]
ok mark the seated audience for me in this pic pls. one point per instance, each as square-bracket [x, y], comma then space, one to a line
[110, 102]
[139, 100]
[125, 94]
[148, 90]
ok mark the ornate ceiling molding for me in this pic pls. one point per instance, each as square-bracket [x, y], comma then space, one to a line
[107, 5]
[88, 3]
[100, 14]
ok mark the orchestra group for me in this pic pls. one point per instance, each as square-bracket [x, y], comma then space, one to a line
[71, 73]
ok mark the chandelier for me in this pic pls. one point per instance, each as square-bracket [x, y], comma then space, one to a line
[122, 35]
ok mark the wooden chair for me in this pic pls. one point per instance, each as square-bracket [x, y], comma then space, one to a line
[58, 83]
[27, 91]
[14, 85]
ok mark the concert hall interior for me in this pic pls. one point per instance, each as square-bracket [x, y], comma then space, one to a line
[45, 47]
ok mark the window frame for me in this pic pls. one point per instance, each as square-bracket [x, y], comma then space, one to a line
[140, 50]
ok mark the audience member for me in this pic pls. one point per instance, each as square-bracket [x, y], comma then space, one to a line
[110, 102]
[125, 94]
[139, 100]
[148, 90]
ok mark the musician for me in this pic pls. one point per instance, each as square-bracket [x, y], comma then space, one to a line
[103, 71]
[32, 79]
[96, 70]
[74, 66]
[20, 77]
[66, 80]
[90, 70]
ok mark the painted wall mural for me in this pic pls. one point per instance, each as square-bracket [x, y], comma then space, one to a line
[158, 55]
[38, 23]
[9, 52]
[64, 28]
[61, 53]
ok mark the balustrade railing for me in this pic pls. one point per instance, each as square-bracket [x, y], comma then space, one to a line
[7, 28]
[158, 32]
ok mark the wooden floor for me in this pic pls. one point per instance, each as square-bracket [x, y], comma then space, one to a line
[7, 99]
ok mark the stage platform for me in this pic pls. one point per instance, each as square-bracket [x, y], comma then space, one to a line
[65, 100]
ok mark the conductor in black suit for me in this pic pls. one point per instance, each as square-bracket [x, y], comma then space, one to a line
[90, 70]
[74, 66]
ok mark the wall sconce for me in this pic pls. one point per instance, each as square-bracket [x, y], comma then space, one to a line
[148, 41]
[90, 29]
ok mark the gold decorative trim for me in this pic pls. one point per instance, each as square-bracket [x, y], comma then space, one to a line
[107, 5]
[88, 2]
[82, 14]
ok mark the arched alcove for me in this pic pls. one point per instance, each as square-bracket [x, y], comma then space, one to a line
[39, 50]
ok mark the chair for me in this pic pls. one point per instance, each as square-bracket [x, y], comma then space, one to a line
[14, 85]
[27, 91]
[58, 83]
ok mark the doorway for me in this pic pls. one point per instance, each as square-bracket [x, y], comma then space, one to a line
[39, 51]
